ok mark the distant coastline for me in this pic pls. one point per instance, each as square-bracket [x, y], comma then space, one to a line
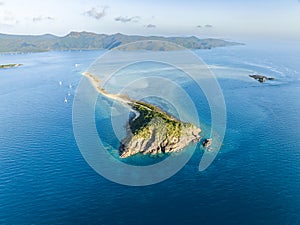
[7, 66]
[92, 41]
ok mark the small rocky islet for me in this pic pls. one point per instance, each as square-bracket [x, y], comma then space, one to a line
[261, 78]
[207, 143]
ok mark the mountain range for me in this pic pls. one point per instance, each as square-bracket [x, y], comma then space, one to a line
[92, 41]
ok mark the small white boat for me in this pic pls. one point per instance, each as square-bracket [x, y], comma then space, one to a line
[66, 100]
[60, 83]
[70, 86]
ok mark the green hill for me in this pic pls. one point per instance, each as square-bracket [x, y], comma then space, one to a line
[89, 41]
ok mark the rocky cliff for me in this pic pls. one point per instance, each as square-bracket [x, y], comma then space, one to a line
[156, 132]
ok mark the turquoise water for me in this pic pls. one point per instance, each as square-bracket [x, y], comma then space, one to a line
[255, 179]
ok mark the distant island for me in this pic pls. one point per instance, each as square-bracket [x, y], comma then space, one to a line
[261, 78]
[92, 41]
[6, 66]
[151, 130]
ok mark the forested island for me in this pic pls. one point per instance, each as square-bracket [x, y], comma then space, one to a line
[154, 131]
[151, 130]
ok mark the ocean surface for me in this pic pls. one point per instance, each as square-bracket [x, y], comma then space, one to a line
[255, 178]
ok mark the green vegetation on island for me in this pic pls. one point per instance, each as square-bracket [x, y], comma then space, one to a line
[93, 41]
[154, 131]
[147, 112]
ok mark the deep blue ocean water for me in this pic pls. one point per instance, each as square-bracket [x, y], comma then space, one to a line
[255, 178]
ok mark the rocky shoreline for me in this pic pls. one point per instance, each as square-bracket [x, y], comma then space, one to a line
[160, 135]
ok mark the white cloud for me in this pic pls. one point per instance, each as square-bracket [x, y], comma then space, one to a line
[150, 26]
[96, 13]
[125, 19]
[41, 18]
[7, 19]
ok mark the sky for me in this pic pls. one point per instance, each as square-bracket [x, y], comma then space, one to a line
[229, 19]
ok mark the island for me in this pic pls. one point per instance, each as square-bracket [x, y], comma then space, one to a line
[6, 66]
[153, 131]
[150, 130]
[91, 41]
[261, 78]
